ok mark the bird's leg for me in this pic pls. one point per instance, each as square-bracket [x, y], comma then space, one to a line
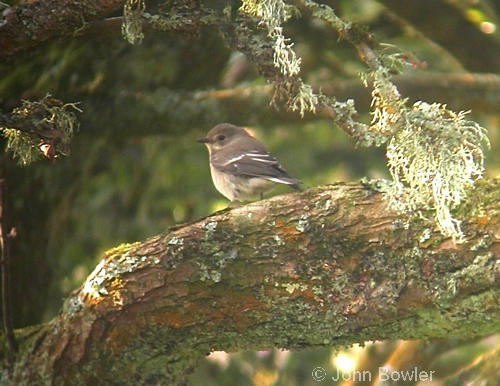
[234, 204]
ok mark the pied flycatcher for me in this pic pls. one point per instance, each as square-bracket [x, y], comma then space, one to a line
[242, 168]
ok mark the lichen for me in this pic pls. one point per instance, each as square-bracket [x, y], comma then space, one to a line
[388, 106]
[132, 25]
[53, 125]
[482, 272]
[118, 261]
[73, 305]
[305, 100]
[426, 235]
[433, 161]
[204, 271]
[292, 287]
[176, 241]
[212, 267]
[222, 257]
[303, 224]
[215, 276]
[279, 241]
[272, 14]
[210, 228]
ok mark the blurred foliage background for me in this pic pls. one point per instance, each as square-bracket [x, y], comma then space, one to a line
[135, 167]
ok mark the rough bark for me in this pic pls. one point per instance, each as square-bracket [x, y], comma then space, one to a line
[328, 266]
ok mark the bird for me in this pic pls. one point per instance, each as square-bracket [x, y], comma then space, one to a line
[242, 169]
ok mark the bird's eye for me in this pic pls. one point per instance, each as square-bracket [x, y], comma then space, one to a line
[221, 137]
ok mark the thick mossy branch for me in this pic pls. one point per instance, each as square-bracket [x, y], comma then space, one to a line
[327, 266]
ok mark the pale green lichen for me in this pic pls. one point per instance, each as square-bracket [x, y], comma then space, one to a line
[388, 106]
[204, 271]
[133, 10]
[304, 100]
[483, 243]
[215, 276]
[292, 287]
[176, 241]
[426, 235]
[210, 228]
[284, 56]
[303, 224]
[222, 257]
[482, 272]
[119, 260]
[212, 267]
[434, 154]
[55, 123]
[317, 290]
[433, 160]
[272, 15]
[395, 61]
[72, 306]
[95, 286]
[23, 146]
[279, 241]
[327, 14]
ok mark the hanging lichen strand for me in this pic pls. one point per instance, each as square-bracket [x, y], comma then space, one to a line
[272, 14]
[433, 160]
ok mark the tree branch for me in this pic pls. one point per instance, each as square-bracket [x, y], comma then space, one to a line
[477, 92]
[30, 23]
[327, 266]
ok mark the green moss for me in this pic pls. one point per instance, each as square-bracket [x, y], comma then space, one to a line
[121, 249]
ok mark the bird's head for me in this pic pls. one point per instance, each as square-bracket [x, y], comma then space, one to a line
[222, 135]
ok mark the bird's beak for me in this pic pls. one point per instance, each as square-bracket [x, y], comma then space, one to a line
[202, 140]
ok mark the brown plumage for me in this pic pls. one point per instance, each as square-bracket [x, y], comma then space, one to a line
[242, 168]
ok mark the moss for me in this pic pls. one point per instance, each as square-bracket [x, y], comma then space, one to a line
[121, 249]
[481, 273]
[119, 260]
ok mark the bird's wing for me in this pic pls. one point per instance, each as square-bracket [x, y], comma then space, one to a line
[255, 163]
